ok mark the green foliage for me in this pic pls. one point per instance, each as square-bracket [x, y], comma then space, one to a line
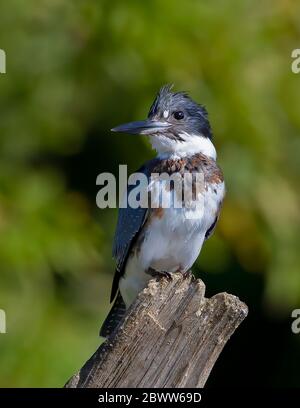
[74, 70]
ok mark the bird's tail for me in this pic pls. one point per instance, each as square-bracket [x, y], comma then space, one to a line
[114, 316]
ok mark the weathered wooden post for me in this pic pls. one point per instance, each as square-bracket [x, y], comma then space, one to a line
[171, 337]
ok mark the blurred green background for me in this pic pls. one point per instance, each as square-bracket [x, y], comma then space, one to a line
[77, 68]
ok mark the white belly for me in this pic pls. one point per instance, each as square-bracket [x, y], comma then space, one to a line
[172, 242]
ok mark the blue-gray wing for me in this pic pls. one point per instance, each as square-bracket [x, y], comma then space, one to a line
[130, 223]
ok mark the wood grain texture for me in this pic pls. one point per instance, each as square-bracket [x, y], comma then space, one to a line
[170, 337]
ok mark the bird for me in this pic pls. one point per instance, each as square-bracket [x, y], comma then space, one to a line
[157, 241]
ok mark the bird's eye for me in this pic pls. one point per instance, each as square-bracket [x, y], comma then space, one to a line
[178, 115]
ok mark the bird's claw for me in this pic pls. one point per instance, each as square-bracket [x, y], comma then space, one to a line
[160, 274]
[188, 274]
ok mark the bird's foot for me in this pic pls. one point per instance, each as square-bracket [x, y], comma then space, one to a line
[188, 274]
[159, 274]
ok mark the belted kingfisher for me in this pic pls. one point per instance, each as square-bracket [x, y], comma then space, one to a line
[158, 241]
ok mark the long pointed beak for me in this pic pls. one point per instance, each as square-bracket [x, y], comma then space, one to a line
[142, 127]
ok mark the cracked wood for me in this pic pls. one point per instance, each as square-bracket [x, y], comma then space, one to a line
[170, 337]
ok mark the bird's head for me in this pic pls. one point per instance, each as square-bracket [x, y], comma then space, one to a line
[175, 125]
